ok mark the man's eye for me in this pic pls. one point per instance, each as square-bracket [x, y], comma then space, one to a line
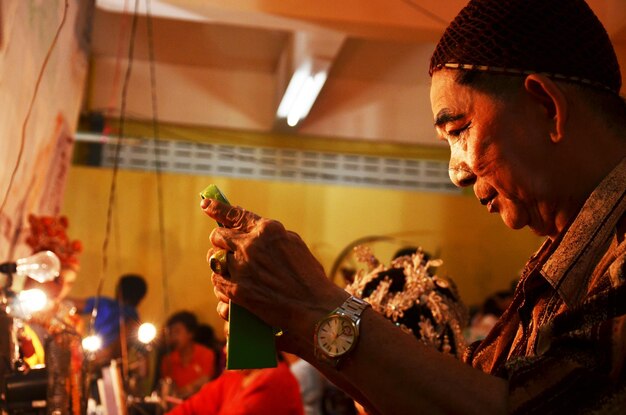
[459, 131]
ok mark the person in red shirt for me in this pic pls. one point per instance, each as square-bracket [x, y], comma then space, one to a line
[189, 365]
[272, 391]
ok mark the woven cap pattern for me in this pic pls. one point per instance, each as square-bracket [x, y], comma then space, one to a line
[561, 38]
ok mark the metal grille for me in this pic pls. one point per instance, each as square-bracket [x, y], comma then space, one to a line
[268, 163]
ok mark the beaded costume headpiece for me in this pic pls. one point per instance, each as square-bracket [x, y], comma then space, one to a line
[425, 305]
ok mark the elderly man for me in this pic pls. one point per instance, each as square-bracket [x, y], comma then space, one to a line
[525, 92]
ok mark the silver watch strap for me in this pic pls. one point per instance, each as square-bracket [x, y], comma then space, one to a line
[352, 308]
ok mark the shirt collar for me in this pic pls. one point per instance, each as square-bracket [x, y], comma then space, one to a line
[572, 262]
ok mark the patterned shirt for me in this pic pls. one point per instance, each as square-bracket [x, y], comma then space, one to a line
[562, 342]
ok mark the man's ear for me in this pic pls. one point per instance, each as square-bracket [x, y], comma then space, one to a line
[547, 93]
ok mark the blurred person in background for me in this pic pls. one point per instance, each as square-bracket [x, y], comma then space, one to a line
[205, 335]
[112, 313]
[189, 364]
[272, 391]
[312, 383]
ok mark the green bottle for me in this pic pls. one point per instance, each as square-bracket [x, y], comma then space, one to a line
[251, 343]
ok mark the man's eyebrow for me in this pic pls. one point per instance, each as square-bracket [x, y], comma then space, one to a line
[445, 116]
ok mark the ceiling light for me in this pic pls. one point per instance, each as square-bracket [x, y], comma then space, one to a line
[302, 91]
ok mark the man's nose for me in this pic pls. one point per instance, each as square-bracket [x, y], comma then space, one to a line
[460, 174]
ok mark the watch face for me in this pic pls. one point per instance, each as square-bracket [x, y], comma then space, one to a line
[336, 335]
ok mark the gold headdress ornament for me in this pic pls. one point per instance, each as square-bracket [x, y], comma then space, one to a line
[425, 305]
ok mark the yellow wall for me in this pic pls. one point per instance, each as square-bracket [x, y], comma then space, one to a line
[479, 252]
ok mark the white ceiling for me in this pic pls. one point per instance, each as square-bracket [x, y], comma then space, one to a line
[226, 63]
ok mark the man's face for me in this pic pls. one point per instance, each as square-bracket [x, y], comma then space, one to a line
[499, 147]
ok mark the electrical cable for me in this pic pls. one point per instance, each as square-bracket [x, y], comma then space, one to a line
[118, 60]
[30, 107]
[426, 12]
[108, 110]
[157, 161]
[158, 172]
[112, 193]
[113, 187]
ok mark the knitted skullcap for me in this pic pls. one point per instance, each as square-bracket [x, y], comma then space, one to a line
[560, 38]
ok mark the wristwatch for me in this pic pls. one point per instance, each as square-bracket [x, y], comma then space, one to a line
[337, 334]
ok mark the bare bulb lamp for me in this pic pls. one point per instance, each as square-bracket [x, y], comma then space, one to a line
[43, 266]
[92, 343]
[146, 333]
[32, 301]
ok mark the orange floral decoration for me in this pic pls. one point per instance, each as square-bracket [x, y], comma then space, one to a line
[49, 233]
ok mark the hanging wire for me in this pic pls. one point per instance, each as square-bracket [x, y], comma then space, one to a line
[113, 187]
[30, 106]
[118, 62]
[159, 176]
[423, 10]
[157, 161]
[108, 112]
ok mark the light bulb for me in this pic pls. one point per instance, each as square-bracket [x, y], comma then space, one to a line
[32, 301]
[92, 343]
[42, 267]
[146, 333]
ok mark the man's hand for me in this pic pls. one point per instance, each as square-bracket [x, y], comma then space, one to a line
[271, 271]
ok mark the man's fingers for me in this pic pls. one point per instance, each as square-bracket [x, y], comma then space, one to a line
[224, 238]
[223, 286]
[220, 287]
[220, 296]
[210, 252]
[223, 310]
[233, 217]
